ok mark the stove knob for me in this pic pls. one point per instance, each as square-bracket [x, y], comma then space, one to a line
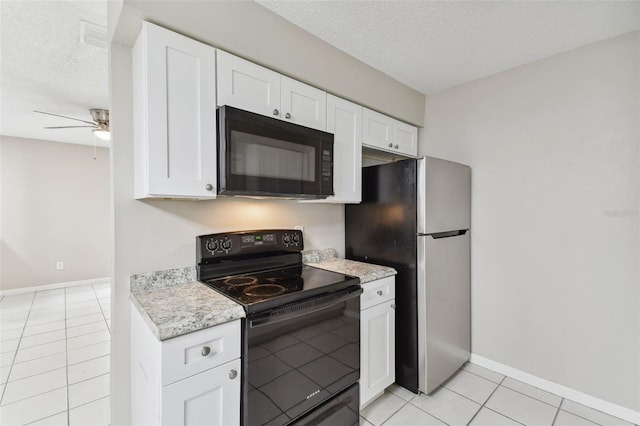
[286, 239]
[226, 244]
[295, 238]
[212, 246]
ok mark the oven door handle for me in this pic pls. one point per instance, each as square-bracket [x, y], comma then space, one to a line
[304, 308]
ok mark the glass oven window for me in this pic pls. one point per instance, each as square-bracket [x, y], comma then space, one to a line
[261, 156]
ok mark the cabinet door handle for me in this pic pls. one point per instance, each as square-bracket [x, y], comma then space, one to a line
[208, 187]
[276, 112]
[390, 145]
[397, 146]
[287, 115]
[206, 350]
[233, 374]
[379, 292]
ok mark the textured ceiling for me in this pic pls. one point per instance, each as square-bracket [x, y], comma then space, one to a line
[45, 67]
[433, 45]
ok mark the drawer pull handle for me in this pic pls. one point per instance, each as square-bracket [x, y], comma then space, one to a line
[233, 374]
[208, 187]
[287, 115]
[390, 145]
[206, 350]
[379, 292]
[276, 112]
[397, 146]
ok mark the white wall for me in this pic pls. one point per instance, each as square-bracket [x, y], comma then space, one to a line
[54, 207]
[554, 149]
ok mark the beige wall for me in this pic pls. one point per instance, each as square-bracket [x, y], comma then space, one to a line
[54, 207]
[155, 235]
[554, 148]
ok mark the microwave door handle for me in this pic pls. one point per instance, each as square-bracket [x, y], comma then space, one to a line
[291, 312]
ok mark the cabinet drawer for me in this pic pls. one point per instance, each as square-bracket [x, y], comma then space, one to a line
[187, 355]
[377, 291]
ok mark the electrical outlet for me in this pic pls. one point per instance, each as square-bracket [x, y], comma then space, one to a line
[59, 266]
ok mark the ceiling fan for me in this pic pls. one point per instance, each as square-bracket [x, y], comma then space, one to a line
[99, 125]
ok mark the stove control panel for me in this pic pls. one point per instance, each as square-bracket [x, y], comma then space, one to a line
[237, 244]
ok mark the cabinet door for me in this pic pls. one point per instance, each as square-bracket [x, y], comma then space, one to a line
[247, 86]
[406, 137]
[175, 109]
[377, 356]
[377, 130]
[344, 120]
[208, 398]
[303, 104]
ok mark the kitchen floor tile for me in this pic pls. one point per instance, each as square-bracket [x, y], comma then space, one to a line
[9, 345]
[38, 366]
[412, 415]
[87, 353]
[564, 418]
[11, 334]
[85, 319]
[487, 417]
[4, 373]
[41, 339]
[11, 323]
[34, 385]
[94, 413]
[591, 414]
[364, 422]
[89, 369]
[532, 391]
[403, 393]
[35, 408]
[45, 318]
[382, 408]
[35, 352]
[60, 419]
[90, 303]
[447, 406]
[88, 391]
[44, 328]
[6, 358]
[521, 408]
[86, 329]
[87, 339]
[474, 387]
[72, 313]
[484, 372]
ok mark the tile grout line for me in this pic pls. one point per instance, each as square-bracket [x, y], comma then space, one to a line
[485, 401]
[101, 310]
[557, 412]
[4, 389]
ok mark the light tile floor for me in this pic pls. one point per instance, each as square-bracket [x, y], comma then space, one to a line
[479, 397]
[54, 357]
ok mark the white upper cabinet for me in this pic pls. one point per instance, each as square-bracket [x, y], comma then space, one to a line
[344, 120]
[382, 132]
[254, 88]
[303, 104]
[247, 86]
[174, 91]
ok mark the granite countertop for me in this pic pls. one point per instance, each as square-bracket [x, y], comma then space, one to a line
[174, 303]
[328, 259]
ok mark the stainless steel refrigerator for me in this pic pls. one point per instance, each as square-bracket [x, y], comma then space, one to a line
[415, 217]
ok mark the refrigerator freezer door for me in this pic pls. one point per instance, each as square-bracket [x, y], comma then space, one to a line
[444, 308]
[444, 196]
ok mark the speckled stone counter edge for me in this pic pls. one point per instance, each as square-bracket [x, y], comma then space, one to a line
[172, 303]
[327, 259]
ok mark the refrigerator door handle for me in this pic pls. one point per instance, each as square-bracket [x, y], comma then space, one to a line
[437, 235]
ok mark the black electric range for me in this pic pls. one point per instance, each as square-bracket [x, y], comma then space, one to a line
[301, 334]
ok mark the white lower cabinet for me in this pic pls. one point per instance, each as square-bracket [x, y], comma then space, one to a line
[193, 379]
[377, 338]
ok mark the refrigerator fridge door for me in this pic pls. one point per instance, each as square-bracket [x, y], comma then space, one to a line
[444, 307]
[444, 196]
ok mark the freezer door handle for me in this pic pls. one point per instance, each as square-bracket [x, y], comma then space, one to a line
[447, 234]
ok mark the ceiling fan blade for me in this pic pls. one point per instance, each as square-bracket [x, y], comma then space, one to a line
[64, 116]
[69, 127]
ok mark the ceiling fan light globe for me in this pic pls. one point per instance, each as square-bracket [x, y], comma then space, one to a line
[102, 134]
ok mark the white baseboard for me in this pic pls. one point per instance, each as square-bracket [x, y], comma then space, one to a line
[54, 286]
[560, 390]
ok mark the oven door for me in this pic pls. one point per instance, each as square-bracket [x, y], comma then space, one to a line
[264, 156]
[300, 357]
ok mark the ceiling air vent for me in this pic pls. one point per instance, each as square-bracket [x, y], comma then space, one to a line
[93, 34]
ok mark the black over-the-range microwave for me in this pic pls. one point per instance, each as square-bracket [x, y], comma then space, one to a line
[260, 156]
